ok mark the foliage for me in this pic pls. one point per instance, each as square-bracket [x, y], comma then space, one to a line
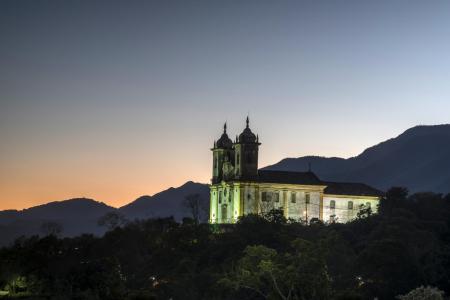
[423, 293]
[112, 220]
[197, 207]
[51, 228]
[405, 246]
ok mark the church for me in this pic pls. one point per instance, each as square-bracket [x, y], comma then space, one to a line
[239, 188]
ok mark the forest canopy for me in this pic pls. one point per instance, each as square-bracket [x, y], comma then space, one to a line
[405, 248]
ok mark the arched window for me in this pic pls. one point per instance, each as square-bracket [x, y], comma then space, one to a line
[293, 197]
[264, 196]
[237, 158]
[350, 204]
[332, 204]
[224, 213]
[276, 196]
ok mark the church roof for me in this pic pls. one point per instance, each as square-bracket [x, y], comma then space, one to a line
[224, 142]
[350, 188]
[306, 178]
[309, 178]
[247, 136]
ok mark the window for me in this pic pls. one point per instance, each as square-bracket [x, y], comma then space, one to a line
[237, 158]
[224, 213]
[368, 204]
[307, 198]
[293, 197]
[264, 196]
[215, 163]
[220, 197]
[276, 196]
[249, 196]
[332, 204]
[350, 204]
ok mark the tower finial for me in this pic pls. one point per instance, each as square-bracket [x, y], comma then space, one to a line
[225, 127]
[247, 121]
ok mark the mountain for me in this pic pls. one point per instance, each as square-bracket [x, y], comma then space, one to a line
[418, 159]
[167, 203]
[74, 216]
[78, 216]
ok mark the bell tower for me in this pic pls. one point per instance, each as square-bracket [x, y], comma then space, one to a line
[223, 153]
[246, 149]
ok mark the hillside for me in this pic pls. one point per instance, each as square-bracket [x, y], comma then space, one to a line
[75, 216]
[418, 159]
[167, 203]
[80, 215]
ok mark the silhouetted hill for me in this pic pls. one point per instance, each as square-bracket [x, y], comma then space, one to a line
[166, 203]
[77, 216]
[418, 159]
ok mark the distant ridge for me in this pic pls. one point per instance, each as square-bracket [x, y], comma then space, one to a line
[418, 159]
[166, 203]
[76, 216]
[81, 215]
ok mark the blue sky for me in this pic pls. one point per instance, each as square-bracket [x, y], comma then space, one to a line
[115, 99]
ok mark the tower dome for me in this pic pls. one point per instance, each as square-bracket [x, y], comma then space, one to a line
[224, 142]
[247, 136]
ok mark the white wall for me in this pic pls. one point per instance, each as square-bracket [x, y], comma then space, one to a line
[341, 212]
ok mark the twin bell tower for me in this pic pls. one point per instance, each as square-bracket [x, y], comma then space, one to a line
[236, 160]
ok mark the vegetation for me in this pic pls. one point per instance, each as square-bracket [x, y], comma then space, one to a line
[396, 252]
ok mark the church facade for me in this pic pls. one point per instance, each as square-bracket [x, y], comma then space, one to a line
[239, 188]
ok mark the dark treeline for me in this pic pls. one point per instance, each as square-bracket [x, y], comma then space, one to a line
[405, 246]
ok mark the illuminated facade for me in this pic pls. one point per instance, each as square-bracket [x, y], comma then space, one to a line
[239, 188]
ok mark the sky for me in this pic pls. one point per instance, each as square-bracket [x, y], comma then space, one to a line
[112, 100]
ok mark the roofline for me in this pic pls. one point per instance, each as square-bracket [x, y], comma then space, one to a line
[352, 196]
[281, 185]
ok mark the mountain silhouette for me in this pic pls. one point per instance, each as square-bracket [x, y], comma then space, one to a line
[418, 159]
[75, 216]
[167, 203]
[81, 215]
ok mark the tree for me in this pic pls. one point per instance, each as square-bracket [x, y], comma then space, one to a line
[364, 212]
[423, 293]
[51, 228]
[196, 206]
[112, 220]
[396, 197]
[275, 216]
[300, 274]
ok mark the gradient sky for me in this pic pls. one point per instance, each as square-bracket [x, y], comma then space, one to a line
[116, 99]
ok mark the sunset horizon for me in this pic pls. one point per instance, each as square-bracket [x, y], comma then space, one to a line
[240, 149]
[112, 110]
[111, 198]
